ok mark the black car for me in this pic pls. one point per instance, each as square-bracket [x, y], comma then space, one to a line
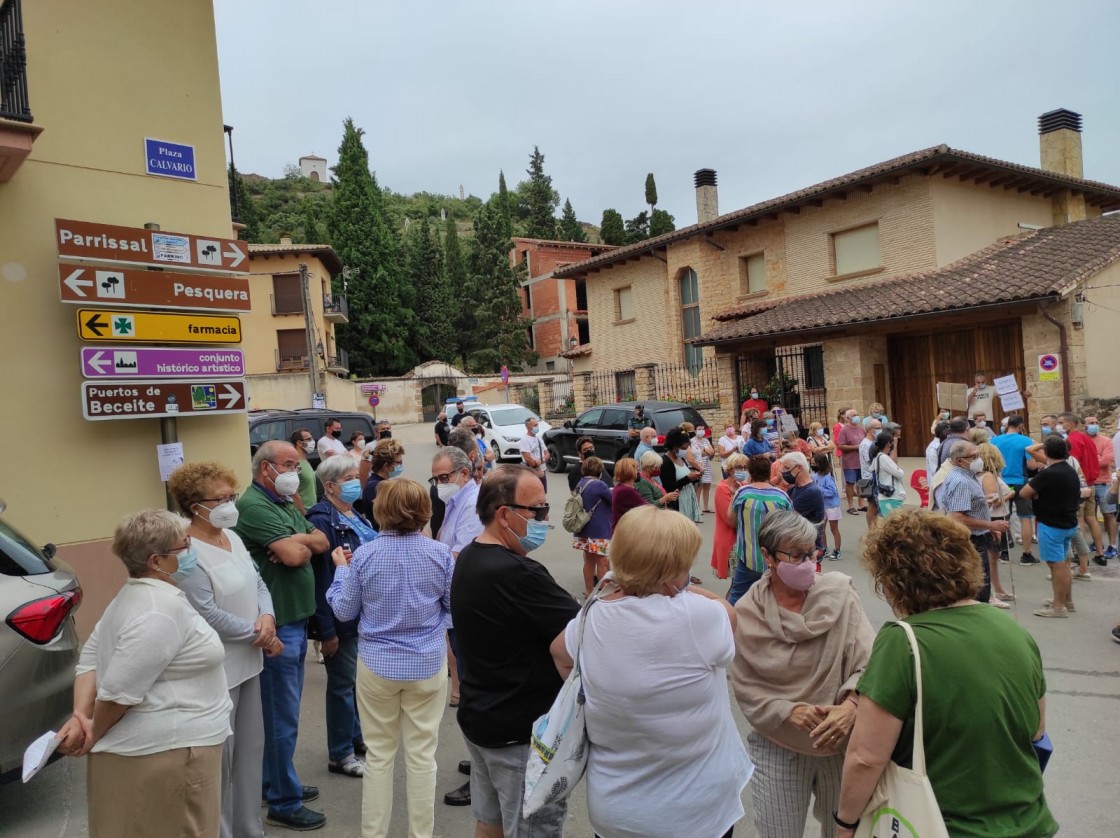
[607, 425]
[281, 424]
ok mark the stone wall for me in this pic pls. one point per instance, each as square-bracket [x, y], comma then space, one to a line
[849, 372]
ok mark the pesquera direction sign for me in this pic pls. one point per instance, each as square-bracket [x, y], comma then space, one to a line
[152, 289]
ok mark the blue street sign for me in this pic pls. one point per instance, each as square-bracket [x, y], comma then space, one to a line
[169, 159]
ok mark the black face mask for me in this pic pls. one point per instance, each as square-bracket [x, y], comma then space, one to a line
[385, 435]
[336, 434]
[585, 454]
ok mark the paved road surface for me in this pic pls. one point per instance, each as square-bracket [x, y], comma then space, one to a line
[1082, 671]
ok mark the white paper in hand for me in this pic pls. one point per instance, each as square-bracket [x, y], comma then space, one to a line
[38, 752]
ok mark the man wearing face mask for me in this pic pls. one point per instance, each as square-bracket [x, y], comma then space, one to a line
[754, 402]
[304, 443]
[281, 542]
[1106, 460]
[330, 443]
[962, 497]
[806, 496]
[585, 447]
[978, 397]
[507, 608]
[383, 430]
[534, 452]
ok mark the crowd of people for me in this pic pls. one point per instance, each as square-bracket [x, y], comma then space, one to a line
[189, 689]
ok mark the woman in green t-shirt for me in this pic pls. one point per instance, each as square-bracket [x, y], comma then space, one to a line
[983, 689]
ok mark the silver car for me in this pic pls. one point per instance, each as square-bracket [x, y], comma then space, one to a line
[38, 644]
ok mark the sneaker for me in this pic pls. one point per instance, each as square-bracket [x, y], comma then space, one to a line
[301, 820]
[1110, 553]
[1099, 560]
[1050, 611]
[349, 765]
[1116, 633]
[998, 603]
[1026, 560]
[1004, 558]
[835, 557]
[1070, 607]
[1084, 577]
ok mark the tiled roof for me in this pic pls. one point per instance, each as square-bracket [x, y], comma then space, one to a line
[1102, 195]
[325, 253]
[1035, 265]
[578, 352]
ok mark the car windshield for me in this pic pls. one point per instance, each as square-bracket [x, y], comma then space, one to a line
[511, 415]
[672, 418]
[18, 556]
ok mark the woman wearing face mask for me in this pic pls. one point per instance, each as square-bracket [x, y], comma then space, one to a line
[756, 444]
[150, 697]
[724, 541]
[649, 484]
[679, 474]
[594, 539]
[728, 444]
[357, 445]
[383, 462]
[702, 453]
[345, 528]
[802, 642]
[228, 592]
[819, 443]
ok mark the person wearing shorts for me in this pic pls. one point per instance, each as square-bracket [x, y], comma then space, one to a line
[1056, 493]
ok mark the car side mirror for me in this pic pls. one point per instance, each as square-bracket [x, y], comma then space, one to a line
[49, 550]
[568, 424]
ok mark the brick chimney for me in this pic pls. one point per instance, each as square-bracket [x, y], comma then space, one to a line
[707, 200]
[1059, 144]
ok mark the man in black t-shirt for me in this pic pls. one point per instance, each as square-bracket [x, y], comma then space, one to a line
[1055, 494]
[442, 429]
[460, 412]
[507, 610]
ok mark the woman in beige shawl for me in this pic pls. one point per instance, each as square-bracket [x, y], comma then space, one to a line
[801, 644]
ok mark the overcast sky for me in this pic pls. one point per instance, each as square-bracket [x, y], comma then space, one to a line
[774, 96]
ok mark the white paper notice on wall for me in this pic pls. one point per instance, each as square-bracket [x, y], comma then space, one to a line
[170, 458]
[1006, 384]
[1011, 401]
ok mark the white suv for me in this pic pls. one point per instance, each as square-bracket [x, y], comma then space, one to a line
[504, 426]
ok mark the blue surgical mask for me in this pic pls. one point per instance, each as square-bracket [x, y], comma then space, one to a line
[1092, 430]
[535, 534]
[855, 420]
[741, 476]
[397, 471]
[1046, 429]
[769, 423]
[820, 431]
[351, 490]
[188, 560]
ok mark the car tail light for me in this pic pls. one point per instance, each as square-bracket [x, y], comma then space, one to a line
[40, 619]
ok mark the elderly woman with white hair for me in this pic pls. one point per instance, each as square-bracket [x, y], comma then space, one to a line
[802, 641]
[151, 704]
[666, 759]
[649, 482]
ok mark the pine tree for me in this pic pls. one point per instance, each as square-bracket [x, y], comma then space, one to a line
[540, 200]
[378, 336]
[611, 228]
[459, 291]
[637, 228]
[498, 333]
[569, 229]
[661, 222]
[434, 336]
[651, 193]
[248, 211]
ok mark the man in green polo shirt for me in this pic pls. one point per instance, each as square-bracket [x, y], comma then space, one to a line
[281, 542]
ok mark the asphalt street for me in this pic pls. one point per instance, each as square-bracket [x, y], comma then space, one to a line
[1082, 666]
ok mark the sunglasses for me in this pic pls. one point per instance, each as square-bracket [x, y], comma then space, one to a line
[540, 513]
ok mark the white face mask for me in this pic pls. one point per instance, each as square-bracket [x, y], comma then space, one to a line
[223, 516]
[976, 466]
[309, 446]
[446, 491]
[285, 483]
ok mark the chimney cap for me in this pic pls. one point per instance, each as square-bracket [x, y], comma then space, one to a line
[1059, 119]
[704, 177]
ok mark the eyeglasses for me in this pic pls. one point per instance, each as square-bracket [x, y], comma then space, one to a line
[291, 465]
[795, 558]
[174, 550]
[442, 478]
[307, 439]
[540, 513]
[225, 499]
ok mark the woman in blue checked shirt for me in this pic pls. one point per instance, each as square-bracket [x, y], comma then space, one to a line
[398, 587]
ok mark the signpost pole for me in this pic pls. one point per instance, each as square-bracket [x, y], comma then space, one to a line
[168, 426]
[312, 363]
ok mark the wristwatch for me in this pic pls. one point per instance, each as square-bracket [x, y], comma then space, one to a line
[843, 824]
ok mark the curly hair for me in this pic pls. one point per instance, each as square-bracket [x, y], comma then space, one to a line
[921, 560]
[192, 482]
[385, 453]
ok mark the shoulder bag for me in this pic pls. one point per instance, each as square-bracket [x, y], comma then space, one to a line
[575, 516]
[903, 802]
[558, 748]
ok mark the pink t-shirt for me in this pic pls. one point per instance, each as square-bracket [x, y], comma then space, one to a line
[850, 435]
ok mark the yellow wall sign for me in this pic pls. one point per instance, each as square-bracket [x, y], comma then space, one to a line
[145, 327]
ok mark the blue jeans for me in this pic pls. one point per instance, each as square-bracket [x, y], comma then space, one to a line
[343, 730]
[741, 582]
[281, 689]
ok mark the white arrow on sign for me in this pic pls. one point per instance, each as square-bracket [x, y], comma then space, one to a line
[75, 283]
[235, 253]
[98, 362]
[231, 397]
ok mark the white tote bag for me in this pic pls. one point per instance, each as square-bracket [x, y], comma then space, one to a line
[558, 749]
[904, 805]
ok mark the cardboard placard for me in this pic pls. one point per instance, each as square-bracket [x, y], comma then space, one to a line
[952, 396]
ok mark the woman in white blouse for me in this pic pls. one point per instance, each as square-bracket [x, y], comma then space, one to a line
[666, 759]
[229, 593]
[150, 699]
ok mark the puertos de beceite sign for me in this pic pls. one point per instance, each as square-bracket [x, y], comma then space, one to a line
[166, 159]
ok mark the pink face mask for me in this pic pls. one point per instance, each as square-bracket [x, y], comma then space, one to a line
[799, 577]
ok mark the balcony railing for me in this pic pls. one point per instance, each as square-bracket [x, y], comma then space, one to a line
[13, 64]
[286, 303]
[339, 363]
[291, 362]
[335, 309]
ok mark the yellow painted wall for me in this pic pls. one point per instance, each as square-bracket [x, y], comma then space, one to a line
[101, 77]
[259, 328]
[1102, 325]
[646, 336]
[968, 218]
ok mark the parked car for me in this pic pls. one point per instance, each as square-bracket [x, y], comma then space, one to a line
[505, 425]
[606, 424]
[281, 424]
[38, 644]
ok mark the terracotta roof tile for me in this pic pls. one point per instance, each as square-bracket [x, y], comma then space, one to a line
[1103, 195]
[325, 253]
[577, 352]
[1035, 265]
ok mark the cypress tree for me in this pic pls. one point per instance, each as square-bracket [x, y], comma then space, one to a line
[540, 200]
[651, 192]
[504, 207]
[611, 228]
[569, 229]
[381, 315]
[434, 336]
[458, 290]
